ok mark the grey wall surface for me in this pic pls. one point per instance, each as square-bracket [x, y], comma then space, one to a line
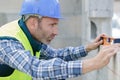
[10, 6]
[9, 10]
[70, 26]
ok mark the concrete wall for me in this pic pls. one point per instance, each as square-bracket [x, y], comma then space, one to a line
[117, 7]
[9, 10]
[114, 68]
[70, 26]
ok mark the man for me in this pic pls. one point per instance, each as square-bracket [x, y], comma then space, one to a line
[24, 50]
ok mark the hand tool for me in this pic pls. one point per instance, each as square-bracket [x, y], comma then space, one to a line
[109, 40]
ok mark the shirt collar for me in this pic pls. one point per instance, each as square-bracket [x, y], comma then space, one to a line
[35, 44]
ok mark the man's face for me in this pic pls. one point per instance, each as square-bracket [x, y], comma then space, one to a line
[46, 29]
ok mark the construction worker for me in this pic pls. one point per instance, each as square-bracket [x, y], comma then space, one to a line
[26, 55]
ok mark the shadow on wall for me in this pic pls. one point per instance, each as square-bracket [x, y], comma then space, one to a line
[93, 30]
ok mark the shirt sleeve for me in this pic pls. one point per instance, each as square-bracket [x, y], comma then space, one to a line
[67, 54]
[13, 54]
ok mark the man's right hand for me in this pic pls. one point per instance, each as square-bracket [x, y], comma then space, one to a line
[102, 58]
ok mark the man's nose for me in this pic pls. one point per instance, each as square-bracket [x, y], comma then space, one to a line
[55, 31]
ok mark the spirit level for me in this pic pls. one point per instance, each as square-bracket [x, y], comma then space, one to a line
[109, 40]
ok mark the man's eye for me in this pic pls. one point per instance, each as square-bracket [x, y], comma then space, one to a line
[52, 24]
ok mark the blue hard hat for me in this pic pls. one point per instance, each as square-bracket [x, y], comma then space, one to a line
[48, 8]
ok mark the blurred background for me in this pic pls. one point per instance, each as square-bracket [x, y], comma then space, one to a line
[84, 20]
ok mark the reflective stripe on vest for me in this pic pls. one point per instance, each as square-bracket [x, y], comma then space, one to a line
[13, 30]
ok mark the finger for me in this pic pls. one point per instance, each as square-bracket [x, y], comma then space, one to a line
[112, 45]
[109, 49]
[100, 42]
[115, 51]
[117, 44]
[98, 38]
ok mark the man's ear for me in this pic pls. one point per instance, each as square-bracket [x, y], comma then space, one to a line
[33, 22]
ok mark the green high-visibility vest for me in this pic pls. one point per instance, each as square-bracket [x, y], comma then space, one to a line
[13, 30]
